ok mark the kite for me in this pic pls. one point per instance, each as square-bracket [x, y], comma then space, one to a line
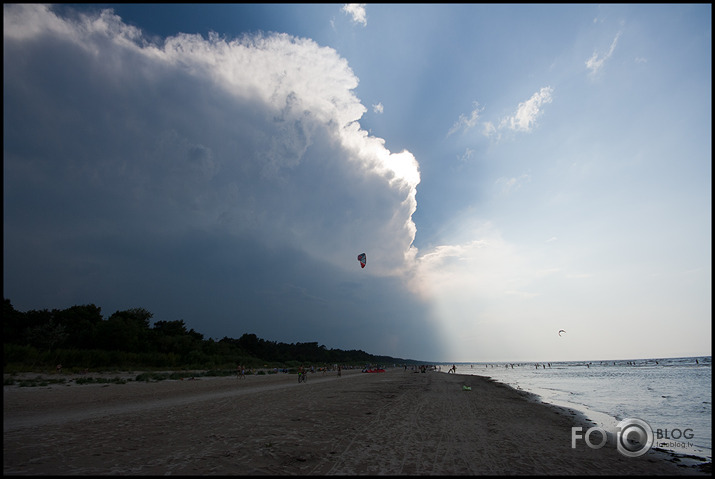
[561, 331]
[362, 257]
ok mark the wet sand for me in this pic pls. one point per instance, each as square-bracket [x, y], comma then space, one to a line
[393, 423]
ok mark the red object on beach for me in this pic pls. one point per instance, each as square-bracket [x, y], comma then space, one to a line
[374, 370]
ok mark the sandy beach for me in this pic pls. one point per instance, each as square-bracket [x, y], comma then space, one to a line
[393, 423]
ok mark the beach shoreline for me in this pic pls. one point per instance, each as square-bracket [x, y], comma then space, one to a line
[393, 423]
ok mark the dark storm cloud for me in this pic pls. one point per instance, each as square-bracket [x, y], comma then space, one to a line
[223, 183]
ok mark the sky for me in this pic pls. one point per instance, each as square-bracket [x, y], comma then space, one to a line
[509, 171]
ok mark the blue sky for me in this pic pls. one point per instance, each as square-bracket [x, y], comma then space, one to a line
[510, 171]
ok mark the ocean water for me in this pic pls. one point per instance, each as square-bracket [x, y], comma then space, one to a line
[672, 395]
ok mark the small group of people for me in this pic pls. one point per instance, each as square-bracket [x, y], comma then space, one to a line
[453, 369]
[241, 372]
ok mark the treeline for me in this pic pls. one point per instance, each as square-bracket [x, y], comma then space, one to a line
[81, 338]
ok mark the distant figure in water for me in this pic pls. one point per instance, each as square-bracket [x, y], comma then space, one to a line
[453, 369]
[696, 362]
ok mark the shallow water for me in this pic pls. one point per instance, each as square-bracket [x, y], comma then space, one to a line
[672, 395]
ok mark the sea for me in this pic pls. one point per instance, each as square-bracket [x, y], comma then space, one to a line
[672, 395]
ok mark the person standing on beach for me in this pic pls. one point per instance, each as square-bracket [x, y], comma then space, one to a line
[340, 370]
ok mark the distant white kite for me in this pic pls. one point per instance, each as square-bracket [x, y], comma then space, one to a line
[561, 331]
